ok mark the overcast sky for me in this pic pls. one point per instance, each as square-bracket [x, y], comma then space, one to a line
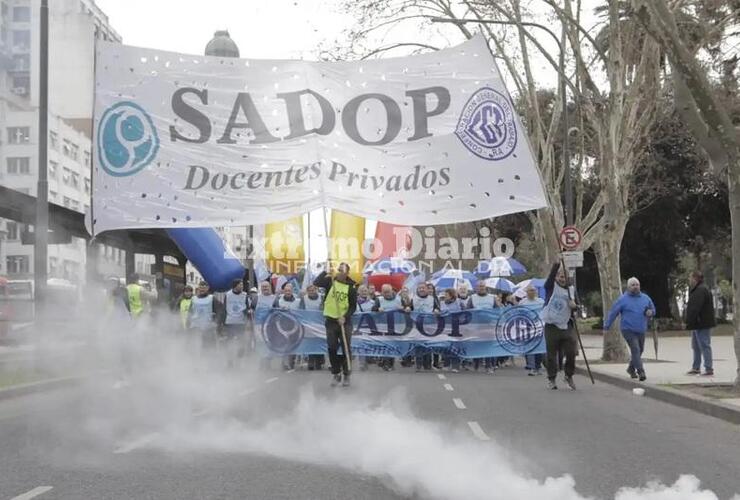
[263, 29]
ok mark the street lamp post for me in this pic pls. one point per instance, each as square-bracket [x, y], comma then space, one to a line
[569, 211]
[41, 226]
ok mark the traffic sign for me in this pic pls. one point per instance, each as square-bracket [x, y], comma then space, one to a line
[573, 259]
[570, 237]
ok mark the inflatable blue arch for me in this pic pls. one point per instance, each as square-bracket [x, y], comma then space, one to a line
[209, 254]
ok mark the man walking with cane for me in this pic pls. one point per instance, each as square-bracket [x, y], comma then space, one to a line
[339, 305]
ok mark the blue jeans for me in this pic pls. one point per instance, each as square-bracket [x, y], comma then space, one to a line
[701, 343]
[534, 361]
[636, 343]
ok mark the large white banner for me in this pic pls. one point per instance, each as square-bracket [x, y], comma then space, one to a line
[188, 141]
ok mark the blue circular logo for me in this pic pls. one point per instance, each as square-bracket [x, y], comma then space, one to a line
[127, 140]
[487, 127]
[282, 332]
[519, 330]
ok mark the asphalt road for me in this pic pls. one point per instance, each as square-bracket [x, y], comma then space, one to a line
[288, 435]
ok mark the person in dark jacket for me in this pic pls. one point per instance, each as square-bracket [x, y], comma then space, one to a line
[339, 305]
[700, 319]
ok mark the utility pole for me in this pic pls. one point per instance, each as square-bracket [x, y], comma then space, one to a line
[41, 227]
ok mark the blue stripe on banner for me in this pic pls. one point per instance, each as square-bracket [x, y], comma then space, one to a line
[505, 331]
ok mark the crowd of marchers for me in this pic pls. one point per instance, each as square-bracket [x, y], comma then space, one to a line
[228, 320]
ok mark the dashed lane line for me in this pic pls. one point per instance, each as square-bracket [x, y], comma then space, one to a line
[441, 376]
[39, 490]
[136, 443]
[449, 387]
[271, 380]
[459, 403]
[478, 431]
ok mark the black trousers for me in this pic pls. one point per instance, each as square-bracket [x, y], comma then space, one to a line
[338, 362]
[558, 341]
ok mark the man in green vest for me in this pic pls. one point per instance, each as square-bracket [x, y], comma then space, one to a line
[339, 305]
[136, 295]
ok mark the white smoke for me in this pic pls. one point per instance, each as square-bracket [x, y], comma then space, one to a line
[415, 457]
[183, 400]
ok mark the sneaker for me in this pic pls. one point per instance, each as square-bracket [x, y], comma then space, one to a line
[536, 372]
[552, 385]
[345, 381]
[708, 373]
[455, 370]
[642, 376]
[531, 373]
[489, 371]
[336, 380]
[693, 371]
[571, 384]
[631, 373]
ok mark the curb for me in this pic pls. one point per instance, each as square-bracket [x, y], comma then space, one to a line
[42, 385]
[675, 397]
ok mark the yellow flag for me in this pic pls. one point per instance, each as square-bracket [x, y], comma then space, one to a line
[346, 238]
[284, 246]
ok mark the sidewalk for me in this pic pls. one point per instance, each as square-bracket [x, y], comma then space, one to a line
[666, 377]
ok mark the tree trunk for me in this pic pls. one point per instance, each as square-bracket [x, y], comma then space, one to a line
[548, 239]
[733, 184]
[606, 249]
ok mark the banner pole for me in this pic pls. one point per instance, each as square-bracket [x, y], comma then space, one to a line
[347, 352]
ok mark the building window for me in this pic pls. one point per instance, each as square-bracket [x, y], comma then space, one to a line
[22, 39]
[19, 135]
[75, 205]
[66, 176]
[87, 185]
[54, 140]
[71, 150]
[86, 157]
[22, 62]
[53, 169]
[19, 166]
[53, 266]
[21, 85]
[76, 180]
[53, 195]
[67, 202]
[22, 14]
[13, 230]
[17, 264]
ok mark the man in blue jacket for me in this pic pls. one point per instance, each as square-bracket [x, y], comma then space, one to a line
[635, 309]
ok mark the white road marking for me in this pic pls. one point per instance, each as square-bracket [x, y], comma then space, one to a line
[441, 376]
[292, 370]
[478, 432]
[271, 380]
[449, 387]
[39, 490]
[459, 403]
[137, 443]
